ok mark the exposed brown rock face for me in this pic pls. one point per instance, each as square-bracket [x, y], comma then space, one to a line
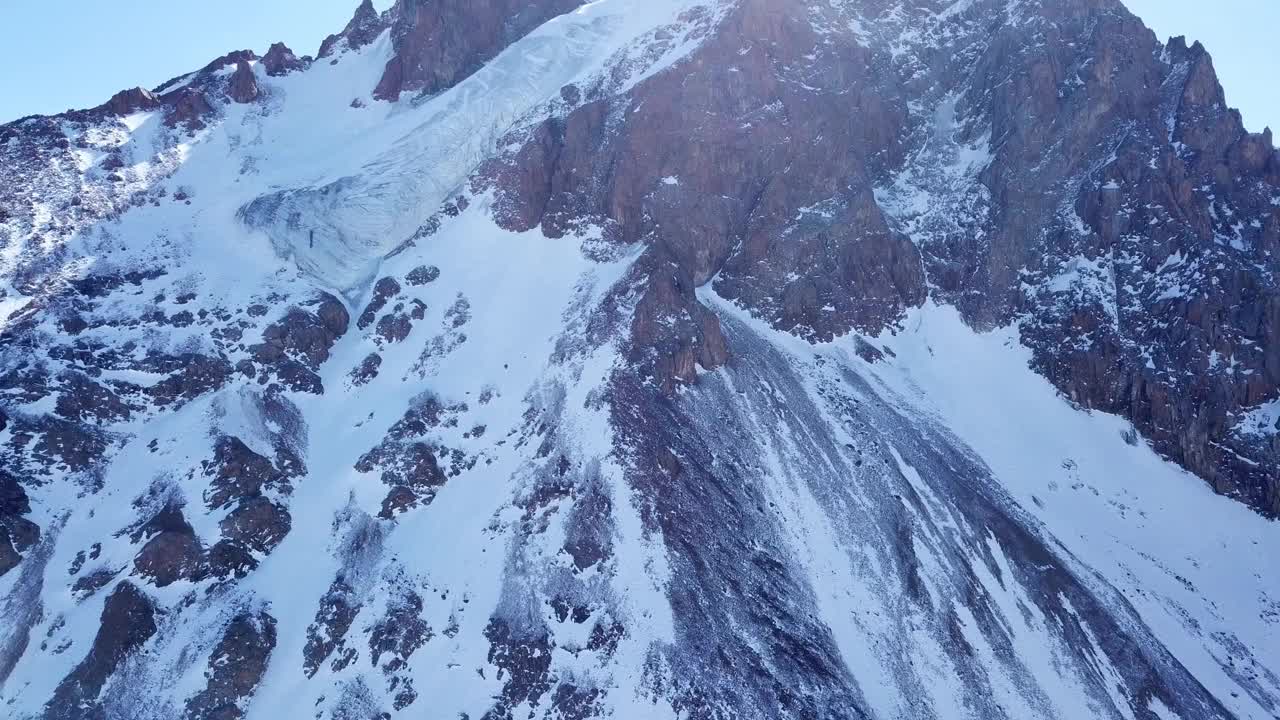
[338, 609]
[243, 87]
[189, 103]
[83, 399]
[367, 370]
[1116, 248]
[745, 170]
[187, 106]
[128, 621]
[548, 518]
[235, 57]
[239, 473]
[9, 556]
[236, 667]
[439, 42]
[399, 633]
[393, 641]
[733, 169]
[394, 327]
[423, 275]
[364, 27]
[255, 525]
[189, 376]
[131, 101]
[17, 534]
[672, 333]
[172, 551]
[385, 290]
[407, 461]
[296, 345]
[525, 662]
[280, 60]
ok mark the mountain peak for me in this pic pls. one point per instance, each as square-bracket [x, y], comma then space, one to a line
[667, 359]
[280, 60]
[130, 101]
[363, 28]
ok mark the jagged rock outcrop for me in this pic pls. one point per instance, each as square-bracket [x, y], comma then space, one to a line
[128, 621]
[297, 345]
[664, 359]
[1103, 247]
[17, 533]
[439, 42]
[243, 86]
[236, 668]
[385, 290]
[363, 28]
[280, 60]
[961, 199]
[235, 57]
[187, 107]
[172, 551]
[130, 101]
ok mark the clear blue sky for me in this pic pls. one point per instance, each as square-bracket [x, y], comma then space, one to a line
[60, 54]
[1243, 36]
[77, 53]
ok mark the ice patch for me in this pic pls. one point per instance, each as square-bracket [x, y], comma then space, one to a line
[336, 229]
[1262, 421]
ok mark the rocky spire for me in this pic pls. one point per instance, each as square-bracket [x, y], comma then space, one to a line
[243, 87]
[365, 27]
[280, 60]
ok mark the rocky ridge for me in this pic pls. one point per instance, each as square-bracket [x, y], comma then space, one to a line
[625, 425]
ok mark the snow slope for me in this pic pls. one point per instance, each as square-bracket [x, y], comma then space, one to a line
[1134, 529]
[504, 323]
[475, 504]
[401, 164]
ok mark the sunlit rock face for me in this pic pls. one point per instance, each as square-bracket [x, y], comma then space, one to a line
[683, 358]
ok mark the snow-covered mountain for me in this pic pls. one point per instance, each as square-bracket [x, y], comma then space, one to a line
[648, 359]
